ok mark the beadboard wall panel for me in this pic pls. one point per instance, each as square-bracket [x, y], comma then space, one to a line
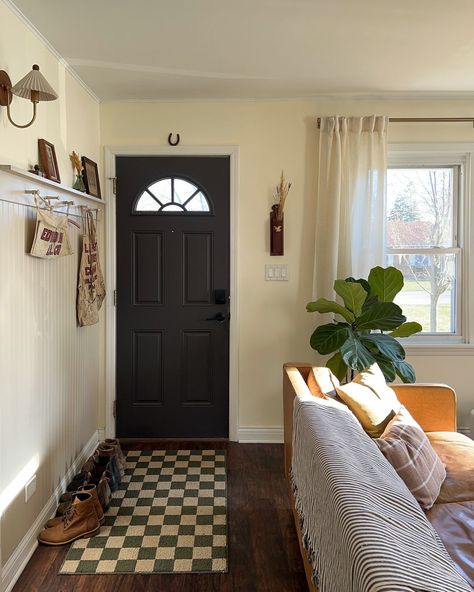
[49, 367]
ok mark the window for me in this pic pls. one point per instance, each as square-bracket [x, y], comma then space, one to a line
[422, 239]
[172, 195]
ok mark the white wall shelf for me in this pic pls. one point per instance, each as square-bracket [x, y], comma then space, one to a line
[8, 168]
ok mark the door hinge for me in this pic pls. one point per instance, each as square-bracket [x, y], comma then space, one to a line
[114, 409]
[115, 297]
[114, 184]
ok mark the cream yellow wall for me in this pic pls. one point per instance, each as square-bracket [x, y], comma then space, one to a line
[50, 369]
[71, 123]
[272, 136]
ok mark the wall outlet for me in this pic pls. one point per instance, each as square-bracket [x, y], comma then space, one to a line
[30, 488]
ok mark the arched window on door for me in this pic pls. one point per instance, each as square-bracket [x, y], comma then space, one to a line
[172, 195]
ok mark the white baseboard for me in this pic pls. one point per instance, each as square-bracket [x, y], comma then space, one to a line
[22, 554]
[260, 435]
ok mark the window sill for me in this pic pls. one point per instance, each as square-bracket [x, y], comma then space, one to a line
[441, 349]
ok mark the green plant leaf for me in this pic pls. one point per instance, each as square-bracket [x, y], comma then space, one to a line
[386, 366]
[385, 282]
[355, 354]
[353, 295]
[329, 338]
[386, 345]
[322, 305]
[405, 371]
[382, 315]
[364, 283]
[337, 366]
[371, 300]
[406, 329]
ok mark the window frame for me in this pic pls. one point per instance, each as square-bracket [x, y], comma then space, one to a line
[447, 155]
[162, 209]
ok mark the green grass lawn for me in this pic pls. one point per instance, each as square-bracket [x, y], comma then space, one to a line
[421, 314]
[412, 285]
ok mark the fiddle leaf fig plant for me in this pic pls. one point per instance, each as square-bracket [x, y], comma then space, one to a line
[370, 324]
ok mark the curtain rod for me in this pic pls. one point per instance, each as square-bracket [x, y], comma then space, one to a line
[424, 120]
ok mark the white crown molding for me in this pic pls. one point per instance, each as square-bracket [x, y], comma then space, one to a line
[17, 12]
[342, 97]
[22, 554]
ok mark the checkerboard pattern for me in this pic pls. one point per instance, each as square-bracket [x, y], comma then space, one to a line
[169, 516]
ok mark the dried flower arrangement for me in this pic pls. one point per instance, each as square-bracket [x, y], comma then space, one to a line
[78, 168]
[280, 195]
[76, 162]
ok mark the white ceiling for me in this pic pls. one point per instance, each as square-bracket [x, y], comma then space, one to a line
[200, 49]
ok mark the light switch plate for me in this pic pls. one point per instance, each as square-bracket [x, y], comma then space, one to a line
[276, 272]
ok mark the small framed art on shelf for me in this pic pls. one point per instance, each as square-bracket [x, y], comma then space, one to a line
[90, 174]
[48, 161]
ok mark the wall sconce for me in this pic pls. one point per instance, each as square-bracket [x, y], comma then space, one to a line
[33, 86]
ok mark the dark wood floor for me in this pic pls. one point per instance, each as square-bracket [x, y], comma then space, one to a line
[263, 548]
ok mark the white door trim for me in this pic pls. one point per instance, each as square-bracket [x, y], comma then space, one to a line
[111, 269]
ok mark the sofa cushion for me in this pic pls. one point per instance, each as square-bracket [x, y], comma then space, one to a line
[408, 450]
[455, 525]
[371, 400]
[456, 451]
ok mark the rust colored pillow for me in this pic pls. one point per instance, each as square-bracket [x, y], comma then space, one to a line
[406, 447]
[322, 382]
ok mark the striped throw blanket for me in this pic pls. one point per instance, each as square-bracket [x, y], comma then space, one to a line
[363, 529]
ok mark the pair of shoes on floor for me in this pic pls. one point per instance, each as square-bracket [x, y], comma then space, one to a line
[80, 520]
[108, 459]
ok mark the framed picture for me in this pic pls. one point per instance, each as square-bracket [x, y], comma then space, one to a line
[48, 161]
[91, 177]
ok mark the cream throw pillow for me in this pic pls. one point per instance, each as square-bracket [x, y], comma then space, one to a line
[370, 400]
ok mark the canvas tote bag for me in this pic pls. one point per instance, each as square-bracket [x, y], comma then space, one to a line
[51, 235]
[91, 286]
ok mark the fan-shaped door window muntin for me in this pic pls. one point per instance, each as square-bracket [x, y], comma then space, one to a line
[173, 195]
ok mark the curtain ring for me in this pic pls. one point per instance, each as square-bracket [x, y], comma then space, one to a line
[170, 142]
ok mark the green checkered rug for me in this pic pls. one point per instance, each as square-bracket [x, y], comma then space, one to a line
[168, 516]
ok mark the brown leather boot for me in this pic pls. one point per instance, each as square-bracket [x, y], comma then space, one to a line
[79, 521]
[97, 505]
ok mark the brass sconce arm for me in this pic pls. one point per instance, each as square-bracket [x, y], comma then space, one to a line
[17, 124]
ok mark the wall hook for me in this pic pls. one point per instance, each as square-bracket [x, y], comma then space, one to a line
[170, 142]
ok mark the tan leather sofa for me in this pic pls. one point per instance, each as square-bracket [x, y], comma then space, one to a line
[434, 408]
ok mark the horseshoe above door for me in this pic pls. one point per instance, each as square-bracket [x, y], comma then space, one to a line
[170, 142]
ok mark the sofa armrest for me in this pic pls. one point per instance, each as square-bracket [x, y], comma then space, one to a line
[432, 405]
[294, 376]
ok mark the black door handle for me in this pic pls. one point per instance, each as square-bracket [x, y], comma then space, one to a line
[219, 317]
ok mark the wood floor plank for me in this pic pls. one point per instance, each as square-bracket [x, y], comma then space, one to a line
[263, 548]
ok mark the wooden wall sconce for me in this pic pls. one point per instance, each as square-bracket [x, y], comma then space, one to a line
[276, 232]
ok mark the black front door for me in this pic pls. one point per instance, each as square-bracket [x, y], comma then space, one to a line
[172, 297]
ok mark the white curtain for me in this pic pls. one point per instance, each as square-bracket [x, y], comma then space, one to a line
[350, 200]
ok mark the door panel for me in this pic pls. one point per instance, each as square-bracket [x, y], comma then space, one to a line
[172, 329]
[197, 366]
[148, 368]
[197, 267]
[147, 279]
